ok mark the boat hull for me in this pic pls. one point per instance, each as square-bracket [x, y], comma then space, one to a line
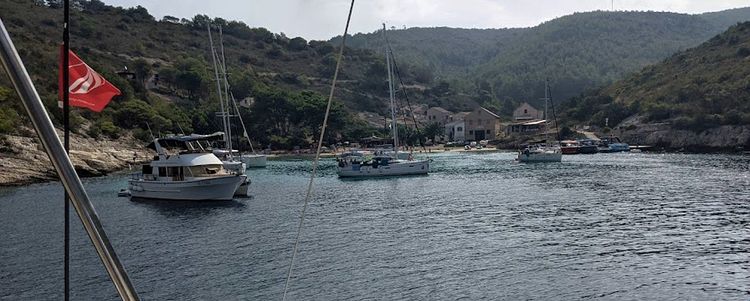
[254, 161]
[569, 150]
[206, 189]
[539, 157]
[239, 168]
[400, 168]
[588, 149]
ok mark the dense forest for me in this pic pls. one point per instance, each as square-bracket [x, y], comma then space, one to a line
[502, 67]
[696, 89]
[283, 79]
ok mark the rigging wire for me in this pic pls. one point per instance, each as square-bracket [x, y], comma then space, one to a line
[406, 96]
[317, 153]
[554, 115]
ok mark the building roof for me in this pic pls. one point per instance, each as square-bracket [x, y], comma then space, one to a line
[441, 110]
[490, 112]
[454, 123]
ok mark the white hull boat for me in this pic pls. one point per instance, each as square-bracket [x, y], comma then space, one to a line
[392, 168]
[239, 168]
[184, 169]
[539, 156]
[216, 188]
[385, 162]
[254, 161]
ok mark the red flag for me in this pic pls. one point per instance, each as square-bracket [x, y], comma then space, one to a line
[87, 88]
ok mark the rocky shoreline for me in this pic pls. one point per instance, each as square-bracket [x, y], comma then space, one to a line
[23, 160]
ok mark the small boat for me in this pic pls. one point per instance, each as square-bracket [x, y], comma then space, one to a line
[616, 145]
[384, 162]
[123, 193]
[190, 173]
[587, 146]
[541, 152]
[254, 160]
[569, 147]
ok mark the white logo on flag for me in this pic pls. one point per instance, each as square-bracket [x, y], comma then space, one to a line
[90, 81]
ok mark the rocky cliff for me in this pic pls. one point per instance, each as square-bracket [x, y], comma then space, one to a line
[24, 161]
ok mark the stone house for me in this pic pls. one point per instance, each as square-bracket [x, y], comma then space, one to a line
[482, 124]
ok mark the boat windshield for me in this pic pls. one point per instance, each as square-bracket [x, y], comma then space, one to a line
[207, 170]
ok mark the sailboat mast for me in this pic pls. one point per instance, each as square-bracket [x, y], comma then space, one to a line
[226, 94]
[394, 127]
[218, 82]
[546, 111]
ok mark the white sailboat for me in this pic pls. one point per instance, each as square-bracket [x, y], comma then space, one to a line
[190, 173]
[253, 160]
[541, 152]
[226, 155]
[383, 163]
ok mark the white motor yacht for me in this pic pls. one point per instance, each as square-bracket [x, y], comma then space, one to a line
[184, 170]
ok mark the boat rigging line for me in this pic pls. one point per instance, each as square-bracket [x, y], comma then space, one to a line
[554, 115]
[406, 96]
[317, 153]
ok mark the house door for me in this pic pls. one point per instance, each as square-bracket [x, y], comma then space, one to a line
[479, 135]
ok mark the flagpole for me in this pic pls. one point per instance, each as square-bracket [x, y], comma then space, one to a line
[66, 130]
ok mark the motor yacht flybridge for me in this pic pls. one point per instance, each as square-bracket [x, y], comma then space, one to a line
[185, 169]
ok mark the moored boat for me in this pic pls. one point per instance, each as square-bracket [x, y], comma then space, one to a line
[385, 162]
[190, 173]
[569, 147]
[587, 146]
[541, 152]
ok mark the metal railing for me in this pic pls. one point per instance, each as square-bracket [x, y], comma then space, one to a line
[60, 160]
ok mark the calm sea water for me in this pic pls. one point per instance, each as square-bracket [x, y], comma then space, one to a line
[605, 226]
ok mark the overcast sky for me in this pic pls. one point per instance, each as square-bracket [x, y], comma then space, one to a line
[323, 19]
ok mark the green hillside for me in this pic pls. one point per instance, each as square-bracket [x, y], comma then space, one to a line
[502, 67]
[285, 78]
[697, 89]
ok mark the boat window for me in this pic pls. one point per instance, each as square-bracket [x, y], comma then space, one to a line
[172, 171]
[186, 172]
[206, 170]
[162, 171]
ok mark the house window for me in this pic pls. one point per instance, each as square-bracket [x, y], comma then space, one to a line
[471, 132]
[525, 111]
[488, 131]
[459, 129]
